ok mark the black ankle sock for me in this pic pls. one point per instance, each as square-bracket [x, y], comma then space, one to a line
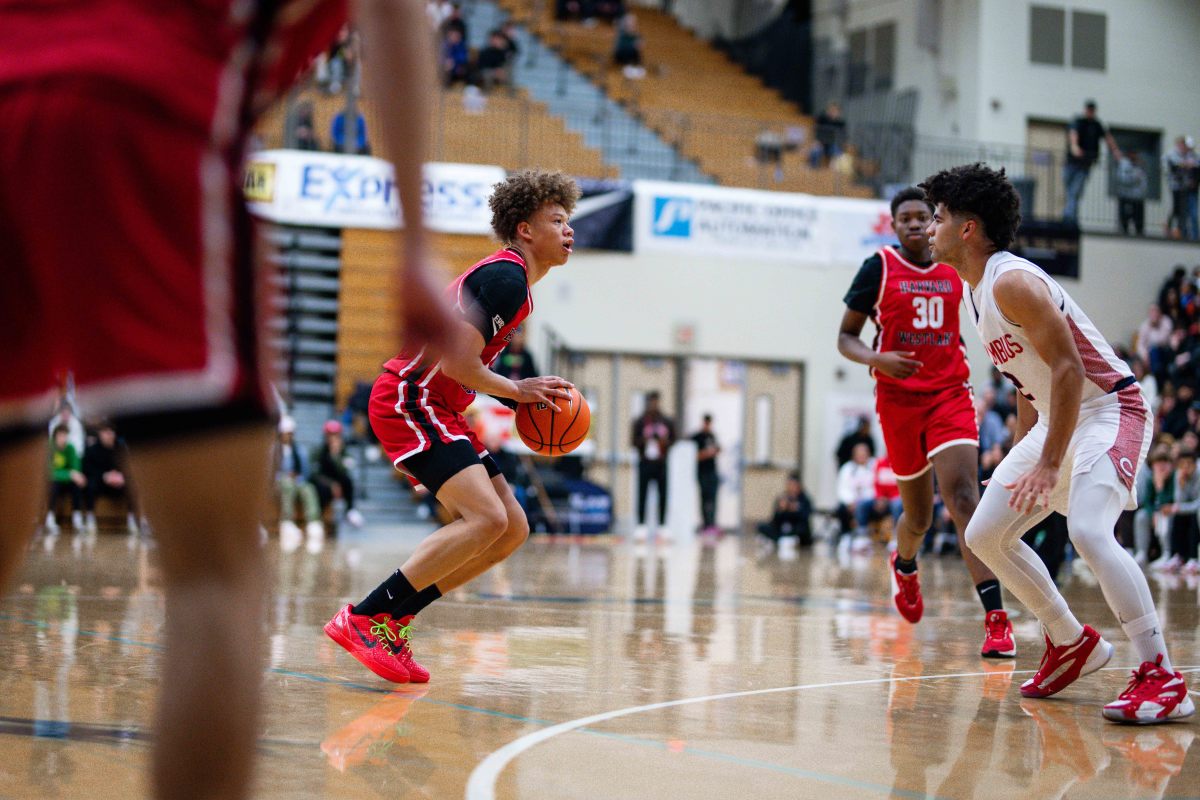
[906, 565]
[989, 595]
[387, 596]
[418, 601]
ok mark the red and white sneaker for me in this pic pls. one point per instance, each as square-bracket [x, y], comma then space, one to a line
[1063, 665]
[906, 593]
[416, 673]
[371, 641]
[998, 636]
[1153, 695]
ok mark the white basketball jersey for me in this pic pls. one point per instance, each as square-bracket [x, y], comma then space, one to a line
[1013, 354]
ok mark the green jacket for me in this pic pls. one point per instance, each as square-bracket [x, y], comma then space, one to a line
[63, 463]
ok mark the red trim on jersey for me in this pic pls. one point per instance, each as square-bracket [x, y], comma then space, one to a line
[1126, 452]
[1095, 366]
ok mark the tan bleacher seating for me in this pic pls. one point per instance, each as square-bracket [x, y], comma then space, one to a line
[367, 334]
[512, 131]
[694, 96]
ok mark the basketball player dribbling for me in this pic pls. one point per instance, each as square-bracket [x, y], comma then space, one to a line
[416, 411]
[923, 399]
[1084, 429]
[128, 261]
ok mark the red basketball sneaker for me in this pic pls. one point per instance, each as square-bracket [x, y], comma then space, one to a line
[371, 641]
[416, 673]
[1153, 695]
[1063, 665]
[906, 593]
[998, 636]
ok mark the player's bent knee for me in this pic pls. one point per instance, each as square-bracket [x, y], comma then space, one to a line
[978, 541]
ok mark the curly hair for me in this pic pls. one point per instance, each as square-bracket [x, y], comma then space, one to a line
[985, 193]
[518, 197]
[909, 193]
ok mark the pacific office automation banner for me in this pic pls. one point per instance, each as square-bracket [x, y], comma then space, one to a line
[298, 187]
[701, 220]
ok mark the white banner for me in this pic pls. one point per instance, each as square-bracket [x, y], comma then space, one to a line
[341, 191]
[702, 220]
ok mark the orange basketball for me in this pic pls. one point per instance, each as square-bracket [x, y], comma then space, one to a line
[551, 433]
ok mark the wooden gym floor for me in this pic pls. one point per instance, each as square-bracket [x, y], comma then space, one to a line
[592, 669]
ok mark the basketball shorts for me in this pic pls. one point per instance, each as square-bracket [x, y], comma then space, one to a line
[425, 439]
[1120, 431]
[919, 425]
[128, 264]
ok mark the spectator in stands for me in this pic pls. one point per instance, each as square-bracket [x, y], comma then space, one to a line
[509, 31]
[1183, 176]
[627, 51]
[337, 135]
[69, 417]
[456, 61]
[515, 362]
[1154, 339]
[792, 515]
[304, 133]
[291, 471]
[992, 432]
[653, 435]
[1181, 513]
[331, 473]
[1131, 188]
[339, 64]
[494, 62]
[355, 424]
[829, 136]
[455, 22]
[105, 472]
[861, 434]
[66, 476]
[887, 491]
[1147, 381]
[1083, 151]
[856, 497]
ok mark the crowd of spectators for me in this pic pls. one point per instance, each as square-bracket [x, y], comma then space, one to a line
[84, 466]
[313, 486]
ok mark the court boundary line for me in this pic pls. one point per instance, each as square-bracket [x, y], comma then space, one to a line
[481, 785]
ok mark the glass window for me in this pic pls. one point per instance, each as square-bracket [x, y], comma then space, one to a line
[1089, 43]
[1047, 35]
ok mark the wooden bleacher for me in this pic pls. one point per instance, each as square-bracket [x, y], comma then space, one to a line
[694, 96]
[512, 131]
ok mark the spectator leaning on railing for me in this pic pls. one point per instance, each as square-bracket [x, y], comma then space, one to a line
[1083, 151]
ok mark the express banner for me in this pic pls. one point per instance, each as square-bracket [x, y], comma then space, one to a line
[342, 191]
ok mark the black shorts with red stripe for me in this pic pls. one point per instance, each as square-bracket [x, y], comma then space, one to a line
[422, 436]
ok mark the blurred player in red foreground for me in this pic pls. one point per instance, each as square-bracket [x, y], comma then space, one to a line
[128, 261]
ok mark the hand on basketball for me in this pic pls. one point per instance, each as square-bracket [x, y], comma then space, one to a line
[1032, 489]
[898, 364]
[543, 390]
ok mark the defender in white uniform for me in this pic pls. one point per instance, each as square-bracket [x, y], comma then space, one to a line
[1086, 429]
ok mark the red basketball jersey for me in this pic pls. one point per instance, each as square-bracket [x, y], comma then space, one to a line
[189, 58]
[412, 365]
[917, 311]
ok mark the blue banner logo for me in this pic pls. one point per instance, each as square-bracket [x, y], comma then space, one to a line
[673, 216]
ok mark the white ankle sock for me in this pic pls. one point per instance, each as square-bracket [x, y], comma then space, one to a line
[1063, 629]
[1146, 635]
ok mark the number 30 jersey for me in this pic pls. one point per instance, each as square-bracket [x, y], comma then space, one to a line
[1013, 354]
[915, 310]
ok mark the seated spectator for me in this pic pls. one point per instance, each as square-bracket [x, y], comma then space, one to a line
[509, 31]
[515, 362]
[493, 62]
[627, 52]
[455, 22]
[104, 469]
[304, 134]
[992, 431]
[856, 497]
[338, 63]
[291, 469]
[829, 136]
[792, 516]
[1156, 491]
[1181, 513]
[66, 475]
[331, 473]
[337, 135]
[456, 61]
[68, 416]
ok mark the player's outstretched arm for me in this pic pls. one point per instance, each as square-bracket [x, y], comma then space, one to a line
[897, 364]
[399, 80]
[464, 365]
[1025, 299]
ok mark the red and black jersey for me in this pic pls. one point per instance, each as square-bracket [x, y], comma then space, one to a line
[915, 309]
[190, 59]
[493, 296]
